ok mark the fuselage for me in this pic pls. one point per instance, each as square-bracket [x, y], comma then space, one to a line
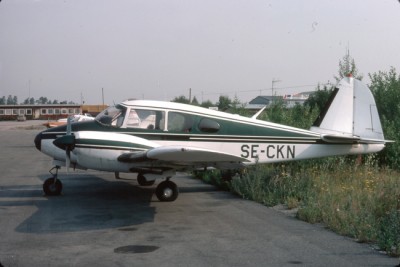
[138, 125]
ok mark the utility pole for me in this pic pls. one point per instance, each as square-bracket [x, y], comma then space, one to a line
[272, 87]
[102, 95]
[190, 95]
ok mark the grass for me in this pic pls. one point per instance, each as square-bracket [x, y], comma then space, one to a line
[357, 200]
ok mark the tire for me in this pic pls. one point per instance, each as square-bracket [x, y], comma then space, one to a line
[52, 188]
[167, 191]
[142, 181]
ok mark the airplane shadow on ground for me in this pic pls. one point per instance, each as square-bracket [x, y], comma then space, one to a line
[88, 202]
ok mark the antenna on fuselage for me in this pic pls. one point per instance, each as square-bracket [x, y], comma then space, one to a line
[254, 117]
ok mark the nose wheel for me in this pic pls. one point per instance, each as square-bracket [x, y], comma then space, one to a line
[167, 191]
[52, 186]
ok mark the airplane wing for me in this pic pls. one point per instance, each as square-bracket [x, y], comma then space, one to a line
[183, 155]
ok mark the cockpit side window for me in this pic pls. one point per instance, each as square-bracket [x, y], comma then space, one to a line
[146, 119]
[112, 116]
[180, 122]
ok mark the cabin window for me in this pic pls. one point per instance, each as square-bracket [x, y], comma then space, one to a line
[1, 111]
[21, 112]
[209, 125]
[180, 122]
[29, 112]
[146, 119]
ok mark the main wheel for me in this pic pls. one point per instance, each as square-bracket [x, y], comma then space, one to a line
[52, 187]
[167, 191]
[143, 181]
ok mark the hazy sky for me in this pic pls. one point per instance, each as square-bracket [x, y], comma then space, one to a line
[159, 49]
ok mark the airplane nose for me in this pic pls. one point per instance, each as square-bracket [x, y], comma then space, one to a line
[38, 141]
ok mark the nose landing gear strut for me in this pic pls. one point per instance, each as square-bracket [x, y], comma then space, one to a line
[52, 186]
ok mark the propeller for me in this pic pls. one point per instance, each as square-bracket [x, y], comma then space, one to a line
[67, 143]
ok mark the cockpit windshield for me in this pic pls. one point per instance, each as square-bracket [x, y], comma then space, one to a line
[112, 116]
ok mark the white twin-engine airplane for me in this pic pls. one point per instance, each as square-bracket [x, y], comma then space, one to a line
[156, 139]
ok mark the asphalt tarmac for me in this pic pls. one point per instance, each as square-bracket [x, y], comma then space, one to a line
[100, 221]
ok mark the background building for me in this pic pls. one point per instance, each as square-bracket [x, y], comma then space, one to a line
[47, 111]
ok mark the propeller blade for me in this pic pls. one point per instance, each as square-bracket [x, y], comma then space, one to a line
[70, 144]
[67, 159]
[69, 128]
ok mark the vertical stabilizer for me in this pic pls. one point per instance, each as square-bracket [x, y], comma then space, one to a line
[350, 112]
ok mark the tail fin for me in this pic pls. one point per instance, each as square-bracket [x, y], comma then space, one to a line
[350, 113]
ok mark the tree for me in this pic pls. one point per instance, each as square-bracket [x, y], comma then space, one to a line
[181, 99]
[319, 98]
[347, 66]
[207, 104]
[42, 100]
[194, 101]
[3, 100]
[385, 87]
[12, 100]
[224, 103]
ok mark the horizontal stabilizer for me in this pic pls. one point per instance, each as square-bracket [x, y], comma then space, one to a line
[339, 139]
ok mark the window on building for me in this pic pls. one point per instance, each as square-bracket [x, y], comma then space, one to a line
[29, 112]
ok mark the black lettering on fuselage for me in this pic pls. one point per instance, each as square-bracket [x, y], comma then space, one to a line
[291, 152]
[271, 151]
[245, 150]
[254, 151]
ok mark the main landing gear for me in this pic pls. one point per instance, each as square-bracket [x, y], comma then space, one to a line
[167, 191]
[52, 186]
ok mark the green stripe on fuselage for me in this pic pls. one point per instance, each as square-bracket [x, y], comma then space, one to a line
[112, 144]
